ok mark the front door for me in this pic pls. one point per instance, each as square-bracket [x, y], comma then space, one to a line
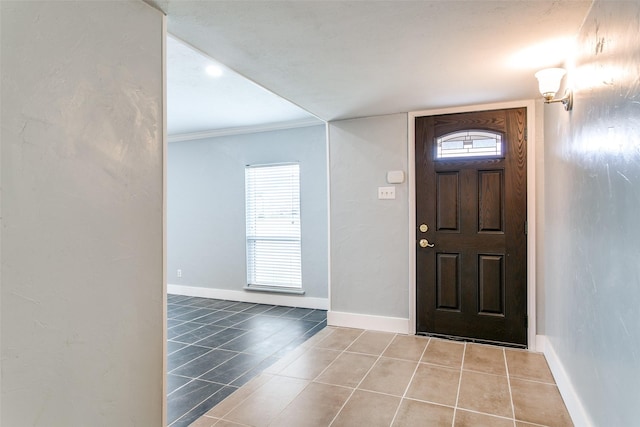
[471, 225]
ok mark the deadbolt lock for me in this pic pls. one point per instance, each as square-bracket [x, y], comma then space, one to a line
[424, 228]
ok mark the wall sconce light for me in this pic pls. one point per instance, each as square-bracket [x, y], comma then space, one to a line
[549, 82]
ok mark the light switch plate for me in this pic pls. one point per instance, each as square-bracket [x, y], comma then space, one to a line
[386, 193]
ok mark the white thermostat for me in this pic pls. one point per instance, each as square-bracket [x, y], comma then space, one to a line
[395, 177]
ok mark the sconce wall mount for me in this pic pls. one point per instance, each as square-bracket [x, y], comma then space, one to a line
[549, 82]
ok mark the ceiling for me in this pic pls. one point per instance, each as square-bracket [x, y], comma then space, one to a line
[345, 59]
[198, 102]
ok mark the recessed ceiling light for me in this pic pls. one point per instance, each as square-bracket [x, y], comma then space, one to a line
[214, 70]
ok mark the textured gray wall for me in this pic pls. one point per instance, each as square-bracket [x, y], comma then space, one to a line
[369, 241]
[592, 161]
[82, 291]
[206, 208]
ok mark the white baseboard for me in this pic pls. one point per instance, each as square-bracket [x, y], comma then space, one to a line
[540, 344]
[254, 297]
[366, 321]
[571, 399]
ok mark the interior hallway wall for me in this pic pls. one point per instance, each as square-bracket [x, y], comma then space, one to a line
[82, 208]
[592, 163]
[206, 206]
[369, 241]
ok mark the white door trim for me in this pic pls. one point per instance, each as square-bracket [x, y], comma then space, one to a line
[531, 205]
[164, 220]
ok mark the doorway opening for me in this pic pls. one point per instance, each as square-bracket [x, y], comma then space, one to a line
[217, 126]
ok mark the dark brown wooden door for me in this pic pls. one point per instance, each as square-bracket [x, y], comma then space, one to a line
[471, 200]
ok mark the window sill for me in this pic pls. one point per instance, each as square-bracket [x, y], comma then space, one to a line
[274, 289]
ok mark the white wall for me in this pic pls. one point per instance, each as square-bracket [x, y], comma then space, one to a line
[206, 208]
[592, 167]
[82, 287]
[369, 237]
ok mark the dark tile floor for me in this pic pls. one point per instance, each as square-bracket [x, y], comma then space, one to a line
[216, 346]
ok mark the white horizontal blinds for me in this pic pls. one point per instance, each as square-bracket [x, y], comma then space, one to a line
[273, 225]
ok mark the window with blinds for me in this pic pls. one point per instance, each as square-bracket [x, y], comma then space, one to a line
[273, 225]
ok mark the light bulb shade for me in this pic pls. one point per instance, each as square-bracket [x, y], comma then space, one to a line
[549, 81]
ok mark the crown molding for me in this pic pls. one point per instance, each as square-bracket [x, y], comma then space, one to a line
[244, 130]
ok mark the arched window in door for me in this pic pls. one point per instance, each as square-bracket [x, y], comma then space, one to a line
[469, 143]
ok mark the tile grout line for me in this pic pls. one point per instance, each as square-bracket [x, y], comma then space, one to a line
[193, 379]
[196, 358]
[535, 424]
[406, 389]
[209, 336]
[473, 371]
[231, 313]
[473, 411]
[305, 345]
[230, 384]
[363, 377]
[183, 385]
[198, 379]
[222, 417]
[415, 399]
[398, 358]
[317, 376]
[202, 325]
[462, 409]
[506, 366]
[272, 376]
[533, 381]
[252, 393]
[455, 409]
[194, 407]
[338, 356]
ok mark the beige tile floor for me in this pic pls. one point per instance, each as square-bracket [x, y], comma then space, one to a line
[353, 377]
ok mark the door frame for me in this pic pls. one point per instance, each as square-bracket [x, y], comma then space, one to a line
[530, 105]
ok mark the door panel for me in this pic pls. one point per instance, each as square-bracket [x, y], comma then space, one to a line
[448, 202]
[472, 282]
[490, 201]
[491, 285]
[448, 282]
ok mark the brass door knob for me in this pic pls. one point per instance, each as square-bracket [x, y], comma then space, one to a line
[424, 243]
